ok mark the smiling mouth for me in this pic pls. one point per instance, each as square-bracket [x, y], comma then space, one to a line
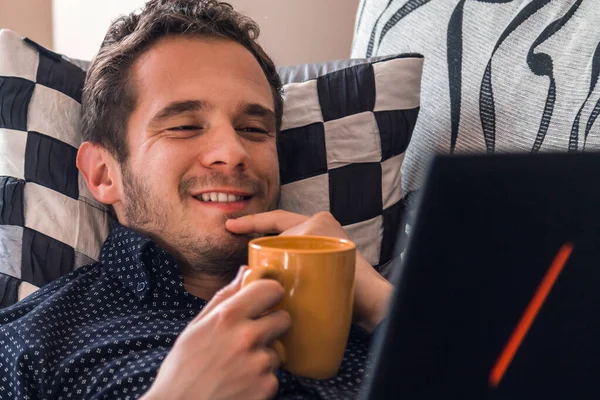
[216, 197]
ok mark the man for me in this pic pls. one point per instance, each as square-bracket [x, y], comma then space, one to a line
[181, 110]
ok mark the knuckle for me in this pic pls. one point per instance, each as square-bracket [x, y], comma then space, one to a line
[288, 320]
[325, 215]
[277, 215]
[263, 361]
[275, 286]
[264, 286]
[220, 295]
[278, 291]
[285, 318]
[270, 386]
[224, 317]
[247, 338]
[270, 287]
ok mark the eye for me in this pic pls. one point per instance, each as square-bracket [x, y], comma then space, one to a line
[185, 128]
[252, 129]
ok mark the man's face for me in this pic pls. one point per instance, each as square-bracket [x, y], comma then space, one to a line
[202, 149]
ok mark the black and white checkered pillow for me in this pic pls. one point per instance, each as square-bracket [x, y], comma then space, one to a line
[346, 127]
[49, 221]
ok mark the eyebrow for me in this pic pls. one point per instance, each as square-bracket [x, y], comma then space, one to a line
[179, 107]
[255, 109]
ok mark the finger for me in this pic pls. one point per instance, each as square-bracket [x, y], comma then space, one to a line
[256, 299]
[268, 222]
[269, 386]
[273, 359]
[225, 293]
[272, 326]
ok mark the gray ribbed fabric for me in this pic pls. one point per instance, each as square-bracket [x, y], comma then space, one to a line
[499, 76]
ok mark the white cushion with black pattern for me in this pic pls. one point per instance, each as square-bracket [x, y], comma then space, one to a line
[500, 76]
[49, 222]
[346, 126]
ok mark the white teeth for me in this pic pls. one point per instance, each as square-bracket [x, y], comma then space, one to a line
[220, 197]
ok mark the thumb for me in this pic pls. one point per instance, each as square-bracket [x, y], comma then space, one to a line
[232, 288]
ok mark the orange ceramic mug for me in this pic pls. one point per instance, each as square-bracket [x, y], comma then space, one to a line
[317, 274]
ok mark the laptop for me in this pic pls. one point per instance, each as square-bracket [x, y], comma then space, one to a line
[498, 293]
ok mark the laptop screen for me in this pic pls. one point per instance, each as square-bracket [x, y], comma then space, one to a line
[498, 295]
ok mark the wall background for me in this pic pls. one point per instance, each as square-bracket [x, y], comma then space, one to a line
[292, 31]
[30, 18]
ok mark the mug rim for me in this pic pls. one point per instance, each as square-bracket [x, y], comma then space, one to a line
[256, 244]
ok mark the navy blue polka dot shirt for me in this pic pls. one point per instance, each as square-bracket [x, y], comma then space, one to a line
[102, 331]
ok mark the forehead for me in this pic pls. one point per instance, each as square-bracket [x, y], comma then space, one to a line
[205, 68]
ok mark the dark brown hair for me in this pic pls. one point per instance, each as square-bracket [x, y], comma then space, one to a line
[109, 98]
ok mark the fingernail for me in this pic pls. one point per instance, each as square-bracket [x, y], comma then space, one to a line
[238, 277]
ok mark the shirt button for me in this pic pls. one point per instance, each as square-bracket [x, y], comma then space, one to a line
[156, 261]
[141, 286]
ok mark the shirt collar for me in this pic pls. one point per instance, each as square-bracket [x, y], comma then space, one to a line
[140, 264]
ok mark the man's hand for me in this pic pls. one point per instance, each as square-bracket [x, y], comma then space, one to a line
[224, 352]
[372, 292]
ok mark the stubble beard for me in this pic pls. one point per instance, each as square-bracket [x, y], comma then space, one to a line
[147, 213]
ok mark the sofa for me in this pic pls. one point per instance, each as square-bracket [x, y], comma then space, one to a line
[345, 130]
[498, 76]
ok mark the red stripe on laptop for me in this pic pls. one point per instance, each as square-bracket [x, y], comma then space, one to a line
[529, 315]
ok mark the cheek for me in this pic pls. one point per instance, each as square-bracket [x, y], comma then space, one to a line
[165, 164]
[268, 164]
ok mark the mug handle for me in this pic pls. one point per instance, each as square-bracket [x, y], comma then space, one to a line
[267, 272]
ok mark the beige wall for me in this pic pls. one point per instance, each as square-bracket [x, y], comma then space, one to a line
[292, 31]
[30, 18]
[300, 31]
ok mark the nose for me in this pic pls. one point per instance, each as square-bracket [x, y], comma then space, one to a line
[224, 150]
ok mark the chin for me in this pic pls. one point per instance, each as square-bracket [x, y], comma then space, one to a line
[223, 235]
[236, 242]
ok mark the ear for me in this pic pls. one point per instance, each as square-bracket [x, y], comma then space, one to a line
[101, 172]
